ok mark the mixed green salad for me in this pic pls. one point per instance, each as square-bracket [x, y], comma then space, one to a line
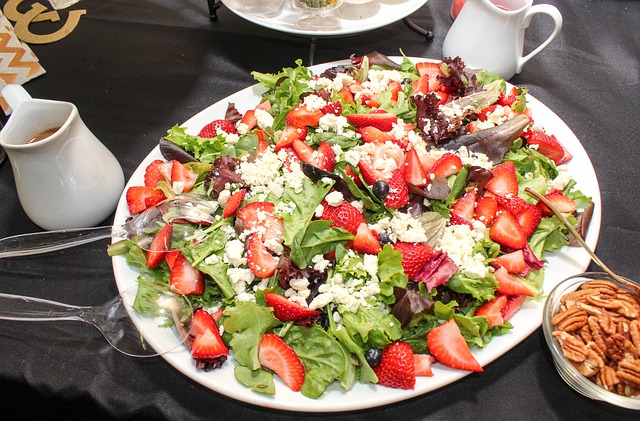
[369, 221]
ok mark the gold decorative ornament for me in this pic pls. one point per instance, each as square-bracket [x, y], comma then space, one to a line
[39, 13]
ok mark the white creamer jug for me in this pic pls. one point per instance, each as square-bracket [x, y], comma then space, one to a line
[489, 34]
[65, 177]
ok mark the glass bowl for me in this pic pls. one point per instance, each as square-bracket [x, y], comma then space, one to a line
[565, 368]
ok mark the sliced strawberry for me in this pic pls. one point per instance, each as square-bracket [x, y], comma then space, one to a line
[514, 302]
[507, 231]
[372, 134]
[513, 262]
[394, 87]
[447, 344]
[549, 146]
[347, 96]
[301, 116]
[262, 143]
[482, 115]
[325, 158]
[233, 203]
[171, 256]
[286, 310]
[208, 345]
[184, 278]
[432, 70]
[529, 219]
[421, 86]
[334, 108]
[504, 181]
[447, 165]
[463, 210]
[140, 198]
[249, 119]
[412, 169]
[559, 201]
[156, 172]
[183, 175]
[427, 162]
[259, 260]
[211, 129]
[345, 216]
[352, 174]
[288, 135]
[414, 256]
[397, 366]
[383, 121]
[260, 217]
[303, 151]
[370, 174]
[510, 285]
[366, 241]
[508, 99]
[422, 364]
[277, 356]
[486, 209]
[201, 322]
[492, 310]
[398, 195]
[159, 246]
[514, 204]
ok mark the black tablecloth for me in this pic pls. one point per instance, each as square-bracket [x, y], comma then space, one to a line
[134, 68]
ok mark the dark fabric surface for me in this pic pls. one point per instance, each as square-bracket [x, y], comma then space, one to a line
[134, 68]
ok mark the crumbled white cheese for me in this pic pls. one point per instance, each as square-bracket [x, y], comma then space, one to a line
[458, 242]
[233, 253]
[335, 198]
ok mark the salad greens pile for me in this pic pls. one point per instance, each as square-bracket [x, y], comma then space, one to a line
[364, 300]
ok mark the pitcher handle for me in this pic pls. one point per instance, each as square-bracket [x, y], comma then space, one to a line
[546, 9]
[14, 94]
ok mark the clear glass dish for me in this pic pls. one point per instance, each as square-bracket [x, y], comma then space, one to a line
[567, 371]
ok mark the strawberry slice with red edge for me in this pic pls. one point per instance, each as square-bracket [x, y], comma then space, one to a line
[412, 169]
[211, 129]
[380, 120]
[233, 203]
[559, 201]
[260, 217]
[549, 146]
[259, 260]
[398, 195]
[249, 119]
[183, 175]
[513, 262]
[492, 310]
[207, 343]
[184, 278]
[141, 198]
[506, 231]
[372, 134]
[514, 302]
[446, 343]
[422, 364]
[510, 285]
[288, 135]
[529, 220]
[324, 157]
[279, 357]
[447, 165]
[486, 210]
[503, 181]
[463, 210]
[334, 108]
[156, 172]
[159, 246]
[286, 310]
[345, 216]
[302, 116]
[397, 366]
[366, 241]
[414, 256]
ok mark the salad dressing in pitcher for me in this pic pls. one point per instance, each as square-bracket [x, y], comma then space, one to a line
[489, 34]
[65, 177]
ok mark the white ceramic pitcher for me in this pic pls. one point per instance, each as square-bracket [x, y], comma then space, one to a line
[489, 34]
[66, 180]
